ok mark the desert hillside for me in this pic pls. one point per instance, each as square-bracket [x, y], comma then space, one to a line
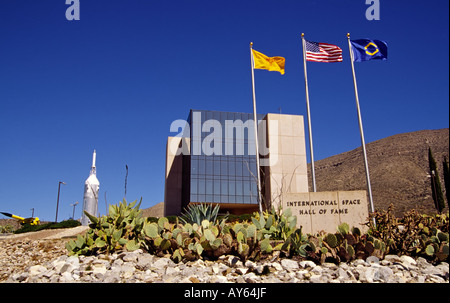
[398, 168]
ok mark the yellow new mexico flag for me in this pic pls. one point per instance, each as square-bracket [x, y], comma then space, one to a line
[261, 61]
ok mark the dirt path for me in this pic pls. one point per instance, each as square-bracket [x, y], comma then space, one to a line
[47, 234]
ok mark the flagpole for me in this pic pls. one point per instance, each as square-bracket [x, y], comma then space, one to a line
[313, 174]
[369, 188]
[255, 120]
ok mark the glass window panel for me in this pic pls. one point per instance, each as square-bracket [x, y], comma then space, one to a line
[254, 188]
[203, 115]
[231, 187]
[239, 199]
[216, 168]
[239, 188]
[253, 167]
[246, 187]
[224, 187]
[246, 169]
[209, 167]
[217, 187]
[223, 168]
[194, 198]
[231, 199]
[231, 167]
[216, 199]
[201, 186]
[223, 117]
[201, 167]
[238, 167]
[194, 186]
[209, 187]
[194, 166]
[209, 198]
[201, 198]
[216, 116]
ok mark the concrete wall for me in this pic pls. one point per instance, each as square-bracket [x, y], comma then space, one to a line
[173, 190]
[287, 169]
[324, 211]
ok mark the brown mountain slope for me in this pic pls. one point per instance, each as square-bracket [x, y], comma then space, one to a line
[154, 211]
[398, 166]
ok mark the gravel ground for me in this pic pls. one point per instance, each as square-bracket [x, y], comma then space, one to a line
[42, 257]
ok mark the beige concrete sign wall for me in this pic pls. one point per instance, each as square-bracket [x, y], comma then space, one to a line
[286, 170]
[324, 211]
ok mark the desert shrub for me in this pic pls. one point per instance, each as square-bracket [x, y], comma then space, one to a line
[414, 234]
[261, 236]
[6, 229]
[120, 229]
[197, 213]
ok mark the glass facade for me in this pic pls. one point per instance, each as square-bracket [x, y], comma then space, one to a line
[222, 160]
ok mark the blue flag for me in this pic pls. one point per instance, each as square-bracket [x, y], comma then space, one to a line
[366, 49]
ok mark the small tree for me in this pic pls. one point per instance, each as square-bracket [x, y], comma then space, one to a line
[447, 181]
[438, 196]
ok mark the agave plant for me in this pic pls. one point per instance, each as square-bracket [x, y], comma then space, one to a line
[196, 213]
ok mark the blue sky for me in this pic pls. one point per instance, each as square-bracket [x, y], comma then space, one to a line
[116, 79]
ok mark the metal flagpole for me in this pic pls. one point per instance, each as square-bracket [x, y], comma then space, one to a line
[255, 119]
[313, 174]
[369, 188]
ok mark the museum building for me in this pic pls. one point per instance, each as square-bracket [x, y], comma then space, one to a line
[213, 160]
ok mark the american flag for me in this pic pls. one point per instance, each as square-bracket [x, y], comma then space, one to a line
[323, 52]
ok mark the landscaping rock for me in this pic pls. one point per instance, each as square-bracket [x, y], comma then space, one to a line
[24, 261]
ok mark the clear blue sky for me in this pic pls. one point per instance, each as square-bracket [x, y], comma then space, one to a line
[117, 78]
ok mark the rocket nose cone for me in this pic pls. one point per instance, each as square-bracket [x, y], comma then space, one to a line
[94, 156]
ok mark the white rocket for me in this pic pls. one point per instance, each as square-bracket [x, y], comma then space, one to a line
[91, 187]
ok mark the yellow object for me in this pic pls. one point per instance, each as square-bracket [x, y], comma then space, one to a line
[31, 221]
[261, 61]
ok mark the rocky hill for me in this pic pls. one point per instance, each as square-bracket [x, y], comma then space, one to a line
[154, 211]
[398, 168]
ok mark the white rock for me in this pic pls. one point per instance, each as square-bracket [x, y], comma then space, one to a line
[73, 260]
[58, 264]
[276, 265]
[250, 264]
[36, 270]
[130, 257]
[289, 264]
[372, 260]
[99, 269]
[172, 270]
[241, 270]
[215, 268]
[392, 258]
[318, 279]
[384, 273]
[218, 279]
[66, 277]
[144, 261]
[408, 261]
